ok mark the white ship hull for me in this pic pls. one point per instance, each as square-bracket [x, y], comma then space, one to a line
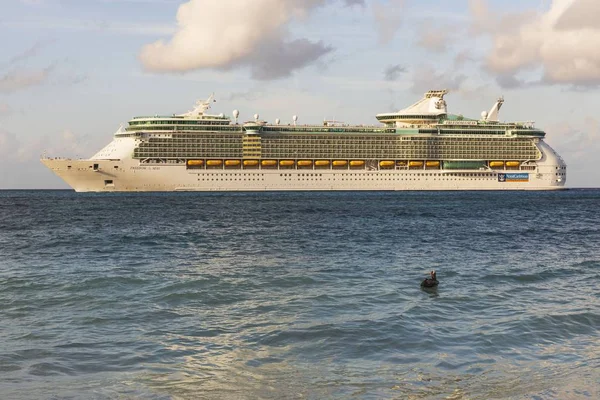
[131, 176]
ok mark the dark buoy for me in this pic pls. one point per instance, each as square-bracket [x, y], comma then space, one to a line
[430, 282]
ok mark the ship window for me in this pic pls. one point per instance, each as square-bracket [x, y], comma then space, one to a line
[108, 182]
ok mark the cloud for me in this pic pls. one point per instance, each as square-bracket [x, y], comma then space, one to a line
[5, 109]
[511, 82]
[68, 144]
[224, 34]
[388, 17]
[393, 72]
[21, 153]
[423, 79]
[28, 53]
[562, 42]
[250, 95]
[485, 20]
[350, 3]
[575, 141]
[278, 59]
[64, 23]
[9, 145]
[463, 57]
[435, 39]
[18, 80]
[580, 14]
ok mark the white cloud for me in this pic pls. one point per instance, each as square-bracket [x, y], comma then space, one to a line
[68, 144]
[577, 138]
[21, 155]
[435, 39]
[5, 109]
[561, 42]
[485, 20]
[426, 78]
[580, 14]
[577, 142]
[9, 145]
[17, 80]
[223, 34]
[136, 28]
[388, 17]
[462, 57]
[29, 52]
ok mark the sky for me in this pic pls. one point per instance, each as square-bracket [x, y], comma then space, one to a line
[73, 71]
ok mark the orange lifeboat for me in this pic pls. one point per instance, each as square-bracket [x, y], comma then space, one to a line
[268, 163]
[513, 164]
[340, 163]
[496, 164]
[357, 163]
[232, 163]
[387, 164]
[195, 163]
[415, 164]
[322, 163]
[214, 163]
[250, 163]
[286, 163]
[432, 164]
[304, 163]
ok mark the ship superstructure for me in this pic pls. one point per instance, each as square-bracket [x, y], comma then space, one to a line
[421, 147]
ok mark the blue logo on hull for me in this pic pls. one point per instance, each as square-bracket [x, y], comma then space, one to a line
[513, 177]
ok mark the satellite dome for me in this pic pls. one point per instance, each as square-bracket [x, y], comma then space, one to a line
[484, 115]
[236, 113]
[277, 121]
[256, 116]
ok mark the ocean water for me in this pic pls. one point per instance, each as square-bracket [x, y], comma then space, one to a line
[299, 295]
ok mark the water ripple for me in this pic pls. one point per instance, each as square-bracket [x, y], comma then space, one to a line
[298, 295]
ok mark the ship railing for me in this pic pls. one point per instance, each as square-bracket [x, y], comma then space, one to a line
[45, 157]
[525, 124]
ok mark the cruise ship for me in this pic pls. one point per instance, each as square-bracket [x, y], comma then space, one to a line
[421, 147]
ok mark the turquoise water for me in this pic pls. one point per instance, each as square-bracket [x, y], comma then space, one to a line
[299, 295]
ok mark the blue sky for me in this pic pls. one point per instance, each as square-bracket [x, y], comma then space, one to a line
[72, 71]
